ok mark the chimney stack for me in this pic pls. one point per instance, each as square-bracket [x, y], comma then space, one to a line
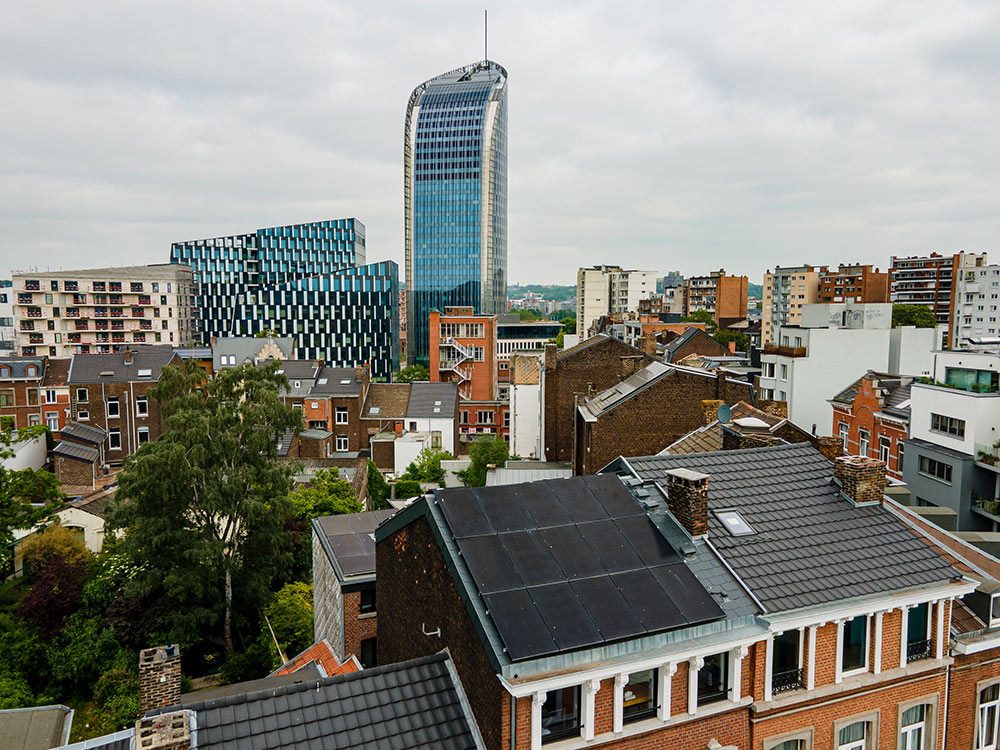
[550, 356]
[830, 446]
[357, 373]
[164, 732]
[710, 410]
[861, 478]
[647, 344]
[128, 356]
[159, 677]
[687, 498]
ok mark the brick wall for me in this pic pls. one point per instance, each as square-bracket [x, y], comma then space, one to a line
[415, 592]
[328, 600]
[128, 421]
[159, 677]
[74, 473]
[703, 344]
[966, 677]
[357, 626]
[22, 410]
[861, 416]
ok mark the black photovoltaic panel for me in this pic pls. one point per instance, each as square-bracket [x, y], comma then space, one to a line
[345, 545]
[571, 563]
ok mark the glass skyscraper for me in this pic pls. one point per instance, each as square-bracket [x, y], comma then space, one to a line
[309, 281]
[455, 193]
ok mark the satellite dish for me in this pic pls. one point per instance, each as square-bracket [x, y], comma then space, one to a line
[723, 413]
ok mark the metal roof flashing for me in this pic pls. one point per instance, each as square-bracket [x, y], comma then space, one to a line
[840, 485]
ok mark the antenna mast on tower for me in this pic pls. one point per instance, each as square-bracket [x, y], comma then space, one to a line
[486, 35]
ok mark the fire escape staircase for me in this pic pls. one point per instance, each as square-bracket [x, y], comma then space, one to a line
[460, 366]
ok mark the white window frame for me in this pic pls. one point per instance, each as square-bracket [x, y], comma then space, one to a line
[982, 708]
[842, 642]
[845, 435]
[112, 435]
[805, 736]
[116, 414]
[50, 396]
[864, 442]
[929, 723]
[884, 449]
[82, 415]
[86, 396]
[341, 411]
[342, 447]
[52, 420]
[870, 742]
[141, 406]
[143, 431]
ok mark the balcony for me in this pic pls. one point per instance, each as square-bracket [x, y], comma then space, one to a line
[81, 325]
[101, 325]
[72, 286]
[79, 299]
[33, 285]
[135, 286]
[145, 325]
[36, 338]
[73, 338]
[114, 286]
[115, 299]
[98, 286]
[784, 681]
[785, 351]
[25, 299]
[34, 312]
[916, 650]
[144, 299]
[27, 325]
[72, 312]
[137, 312]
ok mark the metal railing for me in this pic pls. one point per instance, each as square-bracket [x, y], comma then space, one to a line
[918, 650]
[789, 680]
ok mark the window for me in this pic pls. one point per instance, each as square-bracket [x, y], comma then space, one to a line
[853, 736]
[113, 410]
[81, 395]
[413, 426]
[639, 696]
[995, 611]
[368, 655]
[854, 649]
[50, 396]
[884, 447]
[561, 714]
[863, 438]
[768, 369]
[367, 601]
[986, 718]
[52, 420]
[7, 397]
[784, 372]
[484, 417]
[342, 443]
[82, 415]
[918, 632]
[948, 425]
[845, 432]
[796, 743]
[463, 417]
[937, 469]
[115, 439]
[786, 661]
[143, 435]
[734, 523]
[141, 406]
[341, 415]
[713, 679]
[913, 728]
[34, 419]
[31, 371]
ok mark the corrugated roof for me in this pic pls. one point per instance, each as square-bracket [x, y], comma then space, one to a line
[349, 540]
[432, 400]
[146, 367]
[386, 401]
[812, 545]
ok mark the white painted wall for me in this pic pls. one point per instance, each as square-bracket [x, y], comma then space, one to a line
[430, 424]
[28, 454]
[525, 422]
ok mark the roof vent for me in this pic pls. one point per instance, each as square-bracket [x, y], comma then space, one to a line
[107, 373]
[145, 373]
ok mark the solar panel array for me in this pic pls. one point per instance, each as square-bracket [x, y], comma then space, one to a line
[571, 563]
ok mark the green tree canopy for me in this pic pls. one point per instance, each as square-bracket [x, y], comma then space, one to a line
[427, 466]
[486, 450]
[378, 488]
[702, 316]
[327, 495]
[569, 324]
[290, 614]
[913, 315]
[407, 488]
[411, 374]
[205, 505]
[742, 342]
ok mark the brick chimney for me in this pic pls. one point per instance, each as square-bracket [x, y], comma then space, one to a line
[164, 732]
[358, 371]
[159, 677]
[830, 446]
[687, 498]
[861, 478]
[732, 347]
[710, 409]
[739, 439]
[647, 344]
[128, 356]
[720, 383]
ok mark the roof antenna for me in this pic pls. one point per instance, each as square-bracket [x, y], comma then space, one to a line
[486, 35]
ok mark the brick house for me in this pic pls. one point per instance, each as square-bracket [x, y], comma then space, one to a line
[463, 350]
[111, 392]
[580, 612]
[20, 399]
[335, 403]
[694, 341]
[383, 419]
[871, 417]
[747, 427]
[78, 458]
[648, 411]
[55, 394]
[344, 583]
[478, 418]
[593, 365]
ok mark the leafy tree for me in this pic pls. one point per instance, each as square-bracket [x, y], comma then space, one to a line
[116, 702]
[23, 653]
[84, 650]
[559, 340]
[702, 316]
[411, 374]
[486, 450]
[15, 691]
[19, 489]
[267, 333]
[569, 325]
[913, 315]
[427, 466]
[407, 488]
[204, 521]
[742, 342]
[55, 595]
[291, 616]
[529, 315]
[54, 541]
[378, 488]
[327, 495]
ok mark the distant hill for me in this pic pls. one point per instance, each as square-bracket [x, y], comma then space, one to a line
[548, 291]
[755, 290]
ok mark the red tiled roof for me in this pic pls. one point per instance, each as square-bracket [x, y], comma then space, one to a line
[321, 654]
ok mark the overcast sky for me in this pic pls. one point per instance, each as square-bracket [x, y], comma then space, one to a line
[681, 135]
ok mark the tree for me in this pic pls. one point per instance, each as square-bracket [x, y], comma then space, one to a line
[54, 541]
[742, 342]
[913, 315]
[569, 325]
[327, 495]
[378, 488]
[290, 614]
[486, 450]
[702, 316]
[206, 502]
[55, 595]
[562, 313]
[27, 497]
[407, 488]
[529, 315]
[411, 374]
[427, 466]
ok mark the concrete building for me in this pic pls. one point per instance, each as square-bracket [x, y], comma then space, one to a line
[808, 361]
[60, 313]
[853, 283]
[927, 280]
[8, 335]
[609, 290]
[463, 347]
[725, 297]
[526, 410]
[951, 457]
[786, 291]
[975, 303]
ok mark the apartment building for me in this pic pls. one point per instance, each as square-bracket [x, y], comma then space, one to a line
[61, 313]
[669, 607]
[516, 336]
[20, 392]
[952, 451]
[609, 290]
[975, 304]
[806, 363]
[723, 296]
[463, 350]
[853, 283]
[927, 280]
[786, 290]
[8, 336]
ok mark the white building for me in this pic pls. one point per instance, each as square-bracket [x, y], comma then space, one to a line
[829, 347]
[8, 338]
[609, 290]
[976, 305]
[526, 418]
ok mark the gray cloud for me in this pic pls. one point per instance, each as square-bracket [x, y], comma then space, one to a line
[686, 135]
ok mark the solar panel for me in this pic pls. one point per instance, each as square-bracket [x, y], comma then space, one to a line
[647, 540]
[575, 557]
[504, 511]
[650, 603]
[489, 564]
[608, 608]
[568, 621]
[523, 630]
[691, 598]
[464, 515]
[539, 502]
[532, 558]
[614, 496]
[578, 500]
[610, 545]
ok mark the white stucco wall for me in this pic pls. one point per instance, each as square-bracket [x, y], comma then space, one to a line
[28, 454]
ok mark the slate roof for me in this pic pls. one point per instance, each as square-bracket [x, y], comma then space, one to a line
[84, 432]
[37, 728]
[348, 540]
[18, 366]
[297, 368]
[246, 348]
[424, 398]
[599, 338]
[689, 333]
[337, 381]
[97, 503]
[812, 545]
[236, 689]
[389, 400]
[414, 704]
[893, 392]
[56, 372]
[709, 438]
[77, 451]
[88, 368]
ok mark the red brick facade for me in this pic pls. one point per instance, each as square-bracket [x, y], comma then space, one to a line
[864, 416]
[20, 393]
[358, 625]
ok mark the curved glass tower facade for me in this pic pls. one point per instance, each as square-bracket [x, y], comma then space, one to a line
[455, 193]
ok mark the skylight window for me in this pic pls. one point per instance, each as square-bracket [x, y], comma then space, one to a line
[321, 381]
[375, 410]
[345, 381]
[735, 523]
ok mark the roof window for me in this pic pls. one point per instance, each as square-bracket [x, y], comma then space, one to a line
[375, 410]
[345, 381]
[321, 381]
[145, 373]
[735, 523]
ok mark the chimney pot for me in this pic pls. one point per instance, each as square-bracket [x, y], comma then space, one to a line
[687, 498]
[861, 478]
[170, 731]
[159, 677]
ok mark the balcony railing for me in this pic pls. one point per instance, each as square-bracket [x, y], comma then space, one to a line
[34, 312]
[33, 286]
[785, 351]
[918, 650]
[99, 286]
[782, 681]
[72, 286]
[81, 325]
[25, 299]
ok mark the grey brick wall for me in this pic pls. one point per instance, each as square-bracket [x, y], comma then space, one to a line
[328, 600]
